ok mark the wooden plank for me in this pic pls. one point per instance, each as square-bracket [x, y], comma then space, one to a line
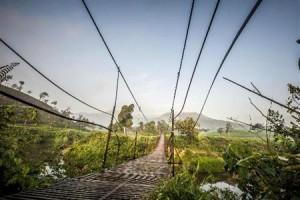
[131, 180]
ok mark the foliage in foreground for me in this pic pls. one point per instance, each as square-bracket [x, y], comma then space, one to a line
[34, 156]
[186, 187]
[207, 152]
[202, 163]
[187, 127]
[274, 173]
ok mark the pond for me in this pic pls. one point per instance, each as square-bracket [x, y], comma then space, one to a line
[223, 185]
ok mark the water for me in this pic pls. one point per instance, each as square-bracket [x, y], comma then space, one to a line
[49, 171]
[223, 185]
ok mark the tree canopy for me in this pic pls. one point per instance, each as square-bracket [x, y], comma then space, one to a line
[150, 127]
[125, 116]
[162, 126]
[186, 127]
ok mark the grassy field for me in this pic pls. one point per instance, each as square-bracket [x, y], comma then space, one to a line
[239, 134]
[207, 151]
[40, 155]
[203, 162]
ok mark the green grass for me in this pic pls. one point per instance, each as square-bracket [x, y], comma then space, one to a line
[26, 151]
[186, 187]
[203, 162]
[207, 152]
[239, 134]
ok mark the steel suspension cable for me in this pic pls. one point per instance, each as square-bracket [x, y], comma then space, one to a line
[198, 58]
[253, 10]
[48, 111]
[48, 79]
[111, 55]
[183, 51]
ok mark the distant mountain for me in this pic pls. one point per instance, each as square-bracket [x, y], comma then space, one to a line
[104, 119]
[204, 121]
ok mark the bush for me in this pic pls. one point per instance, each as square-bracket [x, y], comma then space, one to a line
[185, 186]
[207, 164]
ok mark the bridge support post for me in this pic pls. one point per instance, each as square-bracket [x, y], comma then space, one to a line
[172, 145]
[111, 124]
[135, 140]
[108, 138]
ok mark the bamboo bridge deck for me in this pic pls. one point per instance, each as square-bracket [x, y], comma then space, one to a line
[132, 180]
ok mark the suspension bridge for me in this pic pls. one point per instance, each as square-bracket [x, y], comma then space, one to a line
[134, 179]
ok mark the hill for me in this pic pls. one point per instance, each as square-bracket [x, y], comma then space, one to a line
[7, 101]
[204, 122]
[21, 113]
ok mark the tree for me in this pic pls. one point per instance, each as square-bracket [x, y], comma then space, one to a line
[162, 126]
[150, 127]
[80, 124]
[6, 69]
[228, 128]
[274, 173]
[14, 86]
[116, 127]
[21, 85]
[141, 126]
[54, 103]
[31, 114]
[6, 79]
[220, 131]
[257, 126]
[278, 122]
[6, 115]
[187, 127]
[29, 92]
[43, 95]
[125, 116]
[67, 113]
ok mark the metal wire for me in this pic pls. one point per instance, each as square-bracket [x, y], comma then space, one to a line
[48, 111]
[56, 85]
[255, 7]
[199, 55]
[111, 55]
[183, 51]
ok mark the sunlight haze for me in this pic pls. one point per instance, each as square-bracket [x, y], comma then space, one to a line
[146, 38]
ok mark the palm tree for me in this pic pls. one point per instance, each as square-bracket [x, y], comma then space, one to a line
[54, 103]
[7, 78]
[43, 95]
[14, 86]
[21, 85]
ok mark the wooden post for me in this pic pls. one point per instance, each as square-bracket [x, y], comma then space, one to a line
[111, 123]
[135, 140]
[173, 145]
[108, 138]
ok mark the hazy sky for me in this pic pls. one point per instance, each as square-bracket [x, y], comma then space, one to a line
[146, 37]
